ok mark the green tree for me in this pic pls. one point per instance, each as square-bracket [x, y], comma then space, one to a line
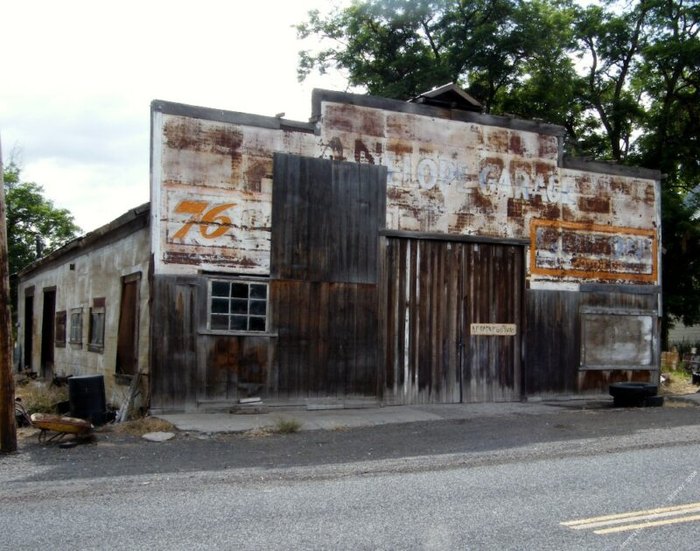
[35, 227]
[623, 79]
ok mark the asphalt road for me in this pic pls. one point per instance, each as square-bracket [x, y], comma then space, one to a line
[492, 483]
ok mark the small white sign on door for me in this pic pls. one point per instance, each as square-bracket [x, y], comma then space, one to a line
[494, 329]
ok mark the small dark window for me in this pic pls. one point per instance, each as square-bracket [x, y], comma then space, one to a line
[238, 306]
[60, 340]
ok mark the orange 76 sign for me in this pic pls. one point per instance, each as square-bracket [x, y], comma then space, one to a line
[204, 218]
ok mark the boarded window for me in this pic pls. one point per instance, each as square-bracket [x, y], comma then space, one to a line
[128, 330]
[97, 326]
[617, 340]
[76, 326]
[60, 339]
[238, 306]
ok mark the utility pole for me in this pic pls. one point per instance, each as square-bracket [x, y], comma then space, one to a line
[8, 429]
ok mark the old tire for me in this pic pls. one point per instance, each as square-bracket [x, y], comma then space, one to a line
[631, 394]
[654, 401]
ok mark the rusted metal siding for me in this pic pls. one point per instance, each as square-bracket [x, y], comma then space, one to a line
[212, 191]
[465, 178]
[435, 294]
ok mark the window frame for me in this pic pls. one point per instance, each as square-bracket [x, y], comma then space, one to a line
[76, 337]
[250, 301]
[97, 310]
[60, 324]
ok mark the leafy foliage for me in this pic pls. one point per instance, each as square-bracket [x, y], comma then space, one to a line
[622, 77]
[34, 226]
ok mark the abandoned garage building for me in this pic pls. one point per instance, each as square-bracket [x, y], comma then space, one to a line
[385, 252]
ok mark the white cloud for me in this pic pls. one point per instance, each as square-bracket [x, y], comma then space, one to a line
[80, 77]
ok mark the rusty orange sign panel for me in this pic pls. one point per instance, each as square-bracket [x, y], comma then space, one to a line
[590, 251]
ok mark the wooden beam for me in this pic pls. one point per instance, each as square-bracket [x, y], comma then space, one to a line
[8, 429]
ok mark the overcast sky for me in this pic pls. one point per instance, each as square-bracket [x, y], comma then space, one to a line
[77, 79]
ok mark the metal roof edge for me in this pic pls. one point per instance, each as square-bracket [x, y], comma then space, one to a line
[606, 167]
[320, 95]
[232, 117]
[90, 238]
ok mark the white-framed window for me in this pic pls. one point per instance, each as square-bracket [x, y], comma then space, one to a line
[238, 305]
[76, 326]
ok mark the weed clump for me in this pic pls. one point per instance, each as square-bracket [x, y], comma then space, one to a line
[286, 426]
[40, 397]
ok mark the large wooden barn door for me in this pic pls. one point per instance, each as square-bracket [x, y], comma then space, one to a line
[435, 292]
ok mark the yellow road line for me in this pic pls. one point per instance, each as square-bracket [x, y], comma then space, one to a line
[690, 507]
[628, 527]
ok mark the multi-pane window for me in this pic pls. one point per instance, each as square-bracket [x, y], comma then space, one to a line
[76, 326]
[238, 306]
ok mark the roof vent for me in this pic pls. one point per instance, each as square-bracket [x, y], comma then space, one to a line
[448, 96]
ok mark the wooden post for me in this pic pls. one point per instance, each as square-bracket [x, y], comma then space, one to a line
[8, 429]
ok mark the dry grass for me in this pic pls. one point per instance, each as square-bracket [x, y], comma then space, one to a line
[40, 397]
[261, 432]
[678, 382]
[144, 425]
[282, 425]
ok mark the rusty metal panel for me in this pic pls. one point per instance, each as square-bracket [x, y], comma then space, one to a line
[212, 192]
[599, 381]
[589, 251]
[212, 187]
[465, 178]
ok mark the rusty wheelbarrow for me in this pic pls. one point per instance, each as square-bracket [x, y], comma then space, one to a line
[56, 427]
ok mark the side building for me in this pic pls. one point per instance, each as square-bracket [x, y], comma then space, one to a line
[83, 309]
[385, 252]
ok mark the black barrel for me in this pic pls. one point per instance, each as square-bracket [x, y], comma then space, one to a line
[86, 394]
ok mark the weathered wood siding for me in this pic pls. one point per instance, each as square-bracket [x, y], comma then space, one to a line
[434, 291]
[194, 368]
[174, 343]
[552, 342]
[327, 340]
[583, 341]
[619, 335]
[326, 217]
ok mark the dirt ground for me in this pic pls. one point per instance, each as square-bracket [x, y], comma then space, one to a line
[677, 383]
